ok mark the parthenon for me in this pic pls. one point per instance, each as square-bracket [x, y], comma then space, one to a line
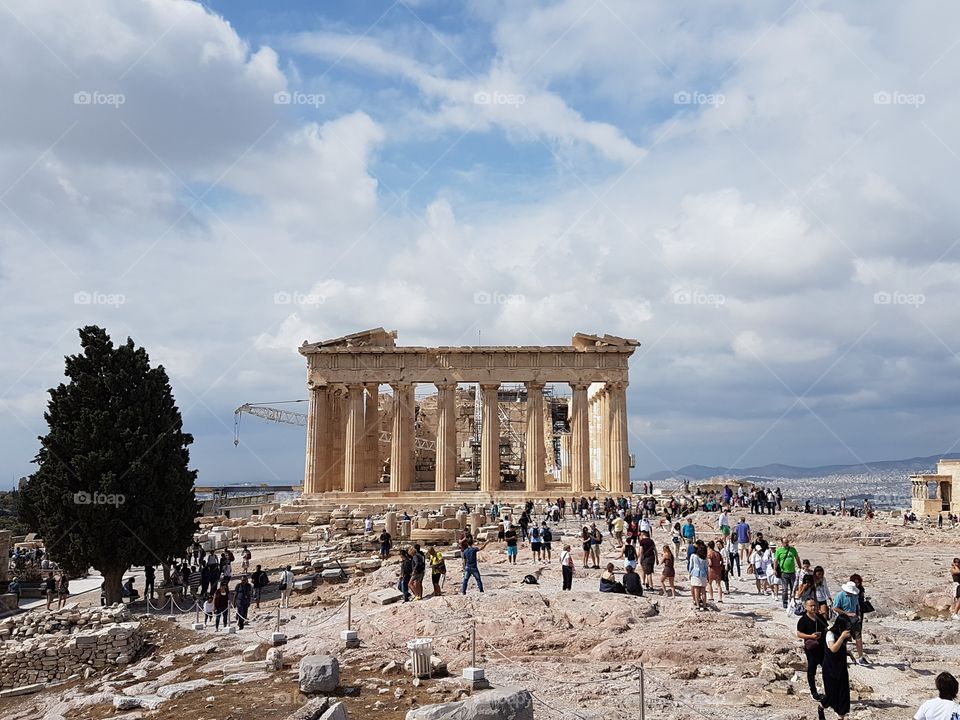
[347, 415]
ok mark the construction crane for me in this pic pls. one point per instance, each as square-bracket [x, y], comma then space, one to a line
[266, 411]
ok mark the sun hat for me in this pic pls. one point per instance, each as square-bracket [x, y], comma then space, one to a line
[851, 588]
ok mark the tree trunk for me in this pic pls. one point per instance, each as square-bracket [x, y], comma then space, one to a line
[112, 586]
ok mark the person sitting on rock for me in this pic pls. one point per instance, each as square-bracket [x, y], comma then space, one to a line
[631, 582]
[609, 582]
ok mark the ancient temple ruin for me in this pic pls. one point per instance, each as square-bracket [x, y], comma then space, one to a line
[932, 493]
[524, 436]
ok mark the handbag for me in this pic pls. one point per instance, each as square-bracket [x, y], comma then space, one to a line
[867, 607]
[810, 644]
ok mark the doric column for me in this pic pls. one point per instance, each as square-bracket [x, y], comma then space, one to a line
[371, 419]
[401, 447]
[579, 441]
[446, 437]
[604, 399]
[619, 444]
[536, 466]
[566, 474]
[317, 422]
[333, 479]
[353, 454]
[490, 440]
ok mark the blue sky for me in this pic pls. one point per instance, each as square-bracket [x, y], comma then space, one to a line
[762, 195]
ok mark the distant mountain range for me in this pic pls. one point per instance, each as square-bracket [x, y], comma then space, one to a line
[776, 470]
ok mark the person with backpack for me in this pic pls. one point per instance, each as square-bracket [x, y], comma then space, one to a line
[546, 539]
[259, 580]
[566, 567]
[812, 629]
[242, 595]
[286, 586]
[629, 555]
[510, 537]
[535, 542]
[385, 543]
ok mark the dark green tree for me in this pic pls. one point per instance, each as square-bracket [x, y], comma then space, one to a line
[113, 487]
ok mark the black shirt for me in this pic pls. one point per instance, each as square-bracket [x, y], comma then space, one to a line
[809, 627]
[631, 583]
[511, 537]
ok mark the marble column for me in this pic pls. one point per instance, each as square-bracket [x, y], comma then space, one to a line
[371, 418]
[490, 440]
[401, 447]
[355, 441]
[593, 404]
[333, 480]
[579, 441]
[446, 437]
[619, 443]
[315, 418]
[536, 457]
[566, 476]
[604, 400]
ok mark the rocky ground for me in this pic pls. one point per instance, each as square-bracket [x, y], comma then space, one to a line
[577, 651]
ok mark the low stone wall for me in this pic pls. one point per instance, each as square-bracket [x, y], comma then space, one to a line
[53, 657]
[61, 622]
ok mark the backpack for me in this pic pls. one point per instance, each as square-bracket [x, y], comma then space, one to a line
[230, 557]
[547, 535]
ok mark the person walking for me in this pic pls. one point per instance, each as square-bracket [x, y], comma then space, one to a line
[471, 567]
[221, 606]
[546, 538]
[836, 677]
[955, 576]
[566, 567]
[744, 538]
[286, 586]
[149, 578]
[259, 581]
[242, 595]
[648, 558]
[714, 570]
[50, 589]
[510, 537]
[245, 557]
[385, 542]
[812, 630]
[63, 590]
[698, 576]
[668, 573]
[787, 558]
[406, 572]
[418, 571]
[847, 604]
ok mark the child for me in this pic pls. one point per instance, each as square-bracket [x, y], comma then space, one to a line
[207, 610]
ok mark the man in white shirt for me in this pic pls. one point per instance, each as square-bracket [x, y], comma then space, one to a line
[945, 706]
[723, 523]
[286, 586]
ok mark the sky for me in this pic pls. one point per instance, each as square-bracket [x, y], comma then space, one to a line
[759, 192]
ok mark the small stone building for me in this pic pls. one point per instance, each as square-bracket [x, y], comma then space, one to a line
[933, 493]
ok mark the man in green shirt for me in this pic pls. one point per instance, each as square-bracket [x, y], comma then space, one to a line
[786, 558]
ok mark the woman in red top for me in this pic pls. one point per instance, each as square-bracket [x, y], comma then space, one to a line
[714, 570]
